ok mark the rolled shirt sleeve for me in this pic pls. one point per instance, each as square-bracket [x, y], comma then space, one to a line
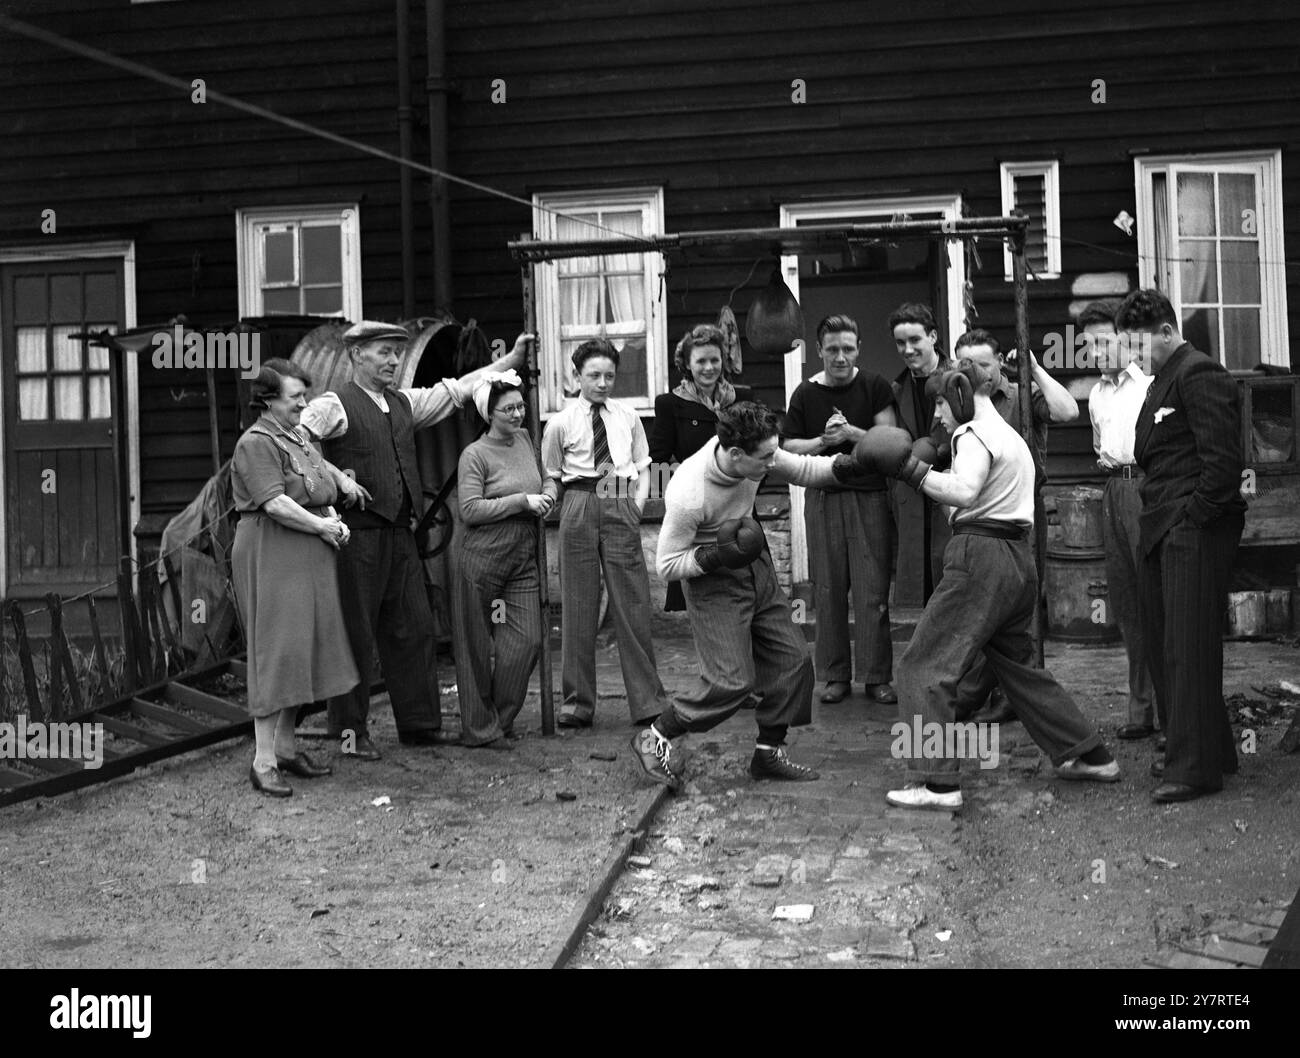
[432, 404]
[325, 418]
[640, 446]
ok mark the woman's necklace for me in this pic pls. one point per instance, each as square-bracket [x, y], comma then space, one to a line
[309, 481]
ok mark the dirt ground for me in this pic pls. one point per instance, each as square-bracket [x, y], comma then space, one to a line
[476, 861]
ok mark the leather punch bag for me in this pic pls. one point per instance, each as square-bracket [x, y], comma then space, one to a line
[774, 321]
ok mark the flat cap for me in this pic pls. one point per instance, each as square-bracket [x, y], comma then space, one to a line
[371, 331]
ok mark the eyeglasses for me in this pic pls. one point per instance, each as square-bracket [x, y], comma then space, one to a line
[511, 409]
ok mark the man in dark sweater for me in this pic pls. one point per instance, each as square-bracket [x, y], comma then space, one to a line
[849, 526]
[368, 427]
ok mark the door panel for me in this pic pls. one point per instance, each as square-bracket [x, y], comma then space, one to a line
[62, 509]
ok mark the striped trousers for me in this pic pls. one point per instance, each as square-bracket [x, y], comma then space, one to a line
[747, 642]
[497, 609]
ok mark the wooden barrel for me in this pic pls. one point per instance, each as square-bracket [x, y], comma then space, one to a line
[1078, 597]
[1079, 511]
[1247, 613]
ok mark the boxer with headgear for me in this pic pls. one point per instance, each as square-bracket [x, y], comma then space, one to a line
[987, 593]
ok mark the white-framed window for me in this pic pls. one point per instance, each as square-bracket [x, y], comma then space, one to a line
[1035, 188]
[615, 296]
[1210, 238]
[300, 261]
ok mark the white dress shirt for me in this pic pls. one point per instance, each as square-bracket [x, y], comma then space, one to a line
[325, 418]
[1113, 406]
[569, 448]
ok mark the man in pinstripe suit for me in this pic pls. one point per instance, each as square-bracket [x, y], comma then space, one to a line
[1188, 441]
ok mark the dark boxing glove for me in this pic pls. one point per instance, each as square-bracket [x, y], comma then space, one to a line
[888, 450]
[740, 541]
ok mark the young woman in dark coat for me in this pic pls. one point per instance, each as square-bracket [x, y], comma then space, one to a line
[687, 417]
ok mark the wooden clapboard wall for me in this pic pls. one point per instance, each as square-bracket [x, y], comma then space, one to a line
[902, 98]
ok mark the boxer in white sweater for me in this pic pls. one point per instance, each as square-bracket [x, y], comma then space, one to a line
[744, 633]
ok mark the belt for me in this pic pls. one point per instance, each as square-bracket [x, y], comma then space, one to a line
[583, 484]
[989, 527]
[1128, 470]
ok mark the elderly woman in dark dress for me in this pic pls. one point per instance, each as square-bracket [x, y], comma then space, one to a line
[282, 565]
[687, 418]
[502, 499]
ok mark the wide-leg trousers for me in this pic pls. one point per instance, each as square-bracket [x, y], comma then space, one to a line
[747, 642]
[850, 538]
[1184, 589]
[1121, 504]
[983, 605]
[385, 605]
[497, 608]
[601, 535]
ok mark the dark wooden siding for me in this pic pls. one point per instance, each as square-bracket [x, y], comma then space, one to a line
[121, 156]
[911, 98]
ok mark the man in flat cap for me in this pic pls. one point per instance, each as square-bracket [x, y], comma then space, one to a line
[368, 427]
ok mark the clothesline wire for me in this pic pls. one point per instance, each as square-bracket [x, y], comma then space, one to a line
[105, 58]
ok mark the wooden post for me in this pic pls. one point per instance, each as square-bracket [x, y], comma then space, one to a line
[533, 373]
[54, 683]
[34, 709]
[61, 654]
[100, 660]
[131, 669]
[214, 425]
[1024, 377]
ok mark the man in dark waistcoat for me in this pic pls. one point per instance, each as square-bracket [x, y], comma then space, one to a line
[368, 428]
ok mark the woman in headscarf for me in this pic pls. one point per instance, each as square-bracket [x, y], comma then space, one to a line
[687, 417]
[502, 498]
[282, 567]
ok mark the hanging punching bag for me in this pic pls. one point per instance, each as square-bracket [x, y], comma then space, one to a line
[774, 321]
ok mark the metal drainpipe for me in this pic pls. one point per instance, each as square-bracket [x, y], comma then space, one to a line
[438, 87]
[405, 117]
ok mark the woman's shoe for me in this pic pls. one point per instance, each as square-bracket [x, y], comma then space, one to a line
[269, 781]
[303, 766]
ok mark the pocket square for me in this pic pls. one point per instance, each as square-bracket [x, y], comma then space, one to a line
[1162, 413]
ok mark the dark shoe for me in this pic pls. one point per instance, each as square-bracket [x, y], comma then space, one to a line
[303, 766]
[362, 749]
[774, 764]
[997, 711]
[1160, 743]
[269, 781]
[1169, 792]
[1133, 732]
[572, 720]
[1157, 769]
[881, 692]
[655, 755]
[513, 735]
[836, 691]
[502, 743]
[437, 737]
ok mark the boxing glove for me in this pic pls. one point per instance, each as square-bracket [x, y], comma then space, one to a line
[888, 450]
[740, 541]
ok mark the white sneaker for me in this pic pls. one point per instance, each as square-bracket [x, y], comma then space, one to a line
[918, 795]
[1077, 769]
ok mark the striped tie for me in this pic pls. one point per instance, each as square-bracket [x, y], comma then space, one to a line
[601, 446]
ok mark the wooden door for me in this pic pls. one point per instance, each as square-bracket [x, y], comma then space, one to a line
[62, 508]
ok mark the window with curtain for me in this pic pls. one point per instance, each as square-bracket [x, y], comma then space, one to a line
[1034, 189]
[1210, 231]
[61, 378]
[612, 296]
[300, 262]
